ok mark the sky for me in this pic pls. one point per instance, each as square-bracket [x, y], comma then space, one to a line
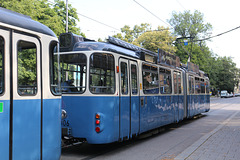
[114, 14]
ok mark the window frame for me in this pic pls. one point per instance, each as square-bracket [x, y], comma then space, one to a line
[150, 72]
[36, 65]
[132, 78]
[52, 46]
[63, 74]
[3, 65]
[114, 74]
[164, 78]
[126, 86]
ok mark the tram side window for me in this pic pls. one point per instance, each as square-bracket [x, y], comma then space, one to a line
[202, 86]
[207, 87]
[197, 86]
[150, 79]
[124, 78]
[102, 73]
[73, 69]
[179, 84]
[54, 79]
[175, 83]
[134, 79]
[191, 85]
[27, 68]
[165, 81]
[1, 65]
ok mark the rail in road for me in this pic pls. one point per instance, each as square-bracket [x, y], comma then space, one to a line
[186, 140]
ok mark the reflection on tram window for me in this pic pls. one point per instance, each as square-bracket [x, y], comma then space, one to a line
[207, 87]
[165, 81]
[27, 68]
[191, 84]
[102, 73]
[197, 85]
[134, 79]
[150, 79]
[124, 78]
[1, 65]
[175, 82]
[202, 86]
[179, 84]
[73, 68]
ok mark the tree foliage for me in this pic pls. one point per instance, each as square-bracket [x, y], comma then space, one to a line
[52, 15]
[144, 37]
[189, 25]
[222, 71]
[153, 40]
[129, 35]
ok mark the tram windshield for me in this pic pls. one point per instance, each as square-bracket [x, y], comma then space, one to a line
[73, 72]
[102, 74]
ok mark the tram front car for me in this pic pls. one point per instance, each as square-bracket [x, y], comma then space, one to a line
[89, 91]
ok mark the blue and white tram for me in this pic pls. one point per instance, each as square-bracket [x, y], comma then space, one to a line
[114, 91]
[30, 112]
[198, 91]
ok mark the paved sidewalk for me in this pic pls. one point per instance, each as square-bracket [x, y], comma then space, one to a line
[223, 143]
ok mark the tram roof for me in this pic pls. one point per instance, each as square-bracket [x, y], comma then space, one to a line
[23, 21]
[102, 46]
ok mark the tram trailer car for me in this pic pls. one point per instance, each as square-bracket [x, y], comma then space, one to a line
[114, 91]
[30, 109]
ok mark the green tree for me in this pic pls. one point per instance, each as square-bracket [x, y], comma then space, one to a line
[129, 35]
[60, 9]
[189, 25]
[52, 15]
[160, 38]
[226, 74]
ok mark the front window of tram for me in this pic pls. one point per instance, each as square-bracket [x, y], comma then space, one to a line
[73, 72]
[102, 73]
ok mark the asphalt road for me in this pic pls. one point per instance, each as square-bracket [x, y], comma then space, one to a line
[166, 145]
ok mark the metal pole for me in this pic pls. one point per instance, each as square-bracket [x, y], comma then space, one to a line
[66, 16]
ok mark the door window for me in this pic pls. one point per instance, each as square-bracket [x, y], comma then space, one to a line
[124, 78]
[1, 65]
[27, 68]
[134, 79]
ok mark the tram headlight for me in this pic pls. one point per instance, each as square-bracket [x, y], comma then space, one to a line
[64, 114]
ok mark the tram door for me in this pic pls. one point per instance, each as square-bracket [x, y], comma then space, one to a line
[177, 91]
[4, 94]
[25, 120]
[129, 99]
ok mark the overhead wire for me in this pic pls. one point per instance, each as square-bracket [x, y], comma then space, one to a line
[157, 18]
[153, 14]
[98, 22]
[217, 34]
[181, 5]
[93, 19]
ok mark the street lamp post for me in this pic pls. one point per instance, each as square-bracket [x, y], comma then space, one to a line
[66, 16]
